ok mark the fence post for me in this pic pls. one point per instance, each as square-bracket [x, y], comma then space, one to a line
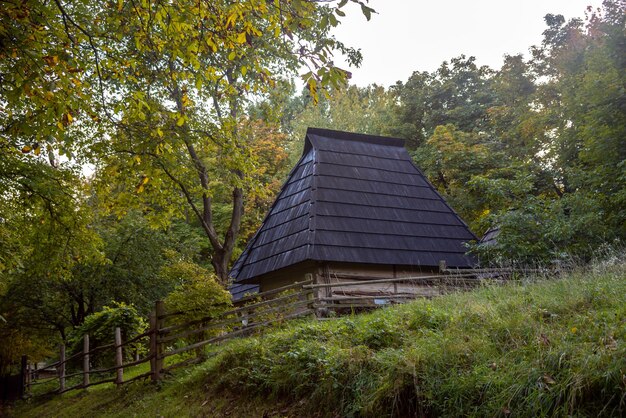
[86, 360]
[310, 296]
[61, 367]
[23, 381]
[159, 307]
[119, 360]
[154, 374]
[156, 362]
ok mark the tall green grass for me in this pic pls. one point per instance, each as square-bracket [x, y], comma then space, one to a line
[552, 348]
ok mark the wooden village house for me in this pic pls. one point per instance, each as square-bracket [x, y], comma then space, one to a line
[354, 209]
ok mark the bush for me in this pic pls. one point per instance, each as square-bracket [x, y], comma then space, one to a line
[199, 295]
[101, 327]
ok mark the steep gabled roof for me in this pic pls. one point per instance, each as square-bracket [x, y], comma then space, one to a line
[355, 198]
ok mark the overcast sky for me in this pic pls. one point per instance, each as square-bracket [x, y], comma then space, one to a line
[418, 35]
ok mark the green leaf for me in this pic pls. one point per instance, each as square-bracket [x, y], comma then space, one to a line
[367, 11]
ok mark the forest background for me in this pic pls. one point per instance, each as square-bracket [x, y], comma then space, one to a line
[143, 143]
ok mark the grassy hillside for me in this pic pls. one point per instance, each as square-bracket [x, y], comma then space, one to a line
[551, 348]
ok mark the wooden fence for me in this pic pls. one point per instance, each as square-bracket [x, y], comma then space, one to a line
[171, 335]
[175, 339]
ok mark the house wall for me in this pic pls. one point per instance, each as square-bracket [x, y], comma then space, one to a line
[337, 273]
[365, 273]
[286, 276]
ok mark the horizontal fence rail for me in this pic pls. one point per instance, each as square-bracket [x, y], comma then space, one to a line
[185, 335]
[170, 335]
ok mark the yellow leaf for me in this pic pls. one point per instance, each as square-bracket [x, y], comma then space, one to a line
[159, 132]
[26, 149]
[120, 4]
[37, 150]
[145, 180]
[137, 159]
[230, 22]
[180, 121]
[51, 60]
[241, 38]
[232, 55]
[186, 100]
[244, 70]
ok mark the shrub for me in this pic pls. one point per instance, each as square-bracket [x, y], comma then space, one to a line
[198, 295]
[101, 327]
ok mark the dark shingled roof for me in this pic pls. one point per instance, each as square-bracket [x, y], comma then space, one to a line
[490, 237]
[355, 198]
[240, 290]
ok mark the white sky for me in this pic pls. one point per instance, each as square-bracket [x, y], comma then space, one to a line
[418, 35]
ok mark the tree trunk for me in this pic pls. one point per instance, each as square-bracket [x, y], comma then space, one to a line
[219, 261]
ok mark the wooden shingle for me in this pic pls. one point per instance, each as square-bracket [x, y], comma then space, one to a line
[358, 199]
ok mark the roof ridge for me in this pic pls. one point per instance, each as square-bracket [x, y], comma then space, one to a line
[355, 137]
[312, 206]
[245, 253]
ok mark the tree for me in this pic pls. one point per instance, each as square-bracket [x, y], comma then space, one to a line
[458, 93]
[166, 82]
[368, 110]
[573, 136]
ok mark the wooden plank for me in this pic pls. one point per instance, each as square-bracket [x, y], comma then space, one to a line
[42, 381]
[267, 302]
[100, 382]
[195, 322]
[153, 346]
[171, 328]
[61, 369]
[24, 377]
[497, 270]
[350, 306]
[86, 360]
[141, 376]
[170, 314]
[274, 291]
[137, 362]
[160, 310]
[102, 347]
[390, 280]
[348, 298]
[176, 327]
[72, 357]
[119, 359]
[188, 362]
[237, 319]
[233, 334]
[136, 338]
[78, 386]
[67, 376]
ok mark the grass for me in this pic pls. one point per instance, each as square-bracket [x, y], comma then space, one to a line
[552, 348]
